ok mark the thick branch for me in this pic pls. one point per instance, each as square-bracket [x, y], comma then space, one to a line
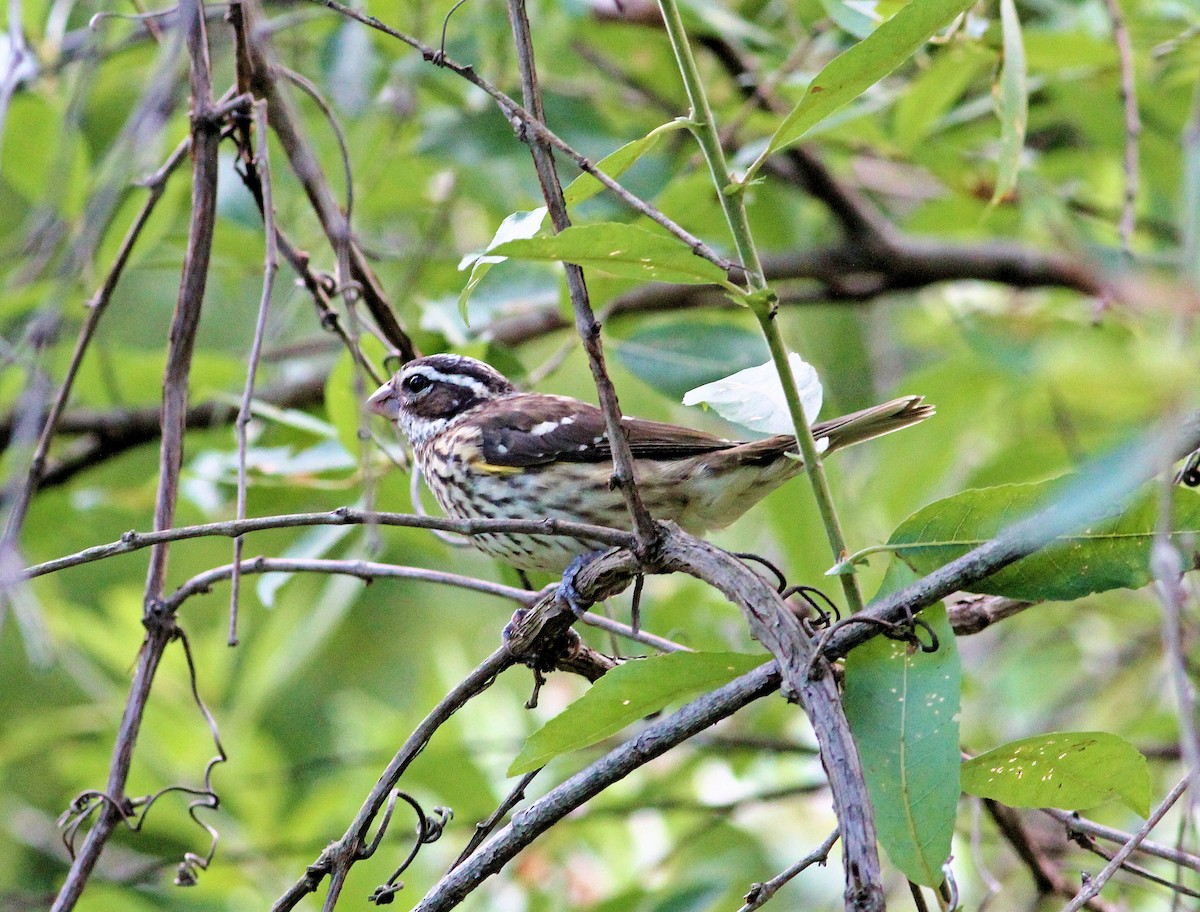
[111, 433]
[777, 628]
[653, 742]
[848, 272]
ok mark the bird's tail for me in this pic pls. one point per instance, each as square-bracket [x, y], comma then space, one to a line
[872, 422]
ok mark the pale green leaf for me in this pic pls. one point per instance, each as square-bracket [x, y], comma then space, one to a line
[628, 693]
[584, 187]
[1071, 770]
[1112, 553]
[1012, 103]
[855, 70]
[620, 250]
[517, 225]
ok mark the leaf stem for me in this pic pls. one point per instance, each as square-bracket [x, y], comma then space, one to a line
[764, 305]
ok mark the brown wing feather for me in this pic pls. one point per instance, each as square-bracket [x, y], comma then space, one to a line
[532, 429]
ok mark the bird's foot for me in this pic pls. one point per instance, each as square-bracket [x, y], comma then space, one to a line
[514, 621]
[566, 590]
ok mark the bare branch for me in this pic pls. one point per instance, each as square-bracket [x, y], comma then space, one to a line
[1075, 823]
[1093, 886]
[261, 163]
[653, 741]
[257, 71]
[336, 861]
[1133, 124]
[1024, 537]
[110, 434]
[761, 893]
[343, 516]
[205, 137]
[518, 114]
[624, 476]
[96, 306]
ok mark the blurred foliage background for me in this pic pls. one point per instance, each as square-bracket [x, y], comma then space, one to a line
[331, 674]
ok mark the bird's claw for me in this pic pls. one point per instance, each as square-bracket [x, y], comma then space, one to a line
[518, 616]
[566, 591]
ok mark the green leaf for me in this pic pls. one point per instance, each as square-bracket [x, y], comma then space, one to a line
[343, 406]
[930, 95]
[850, 19]
[902, 705]
[855, 70]
[675, 357]
[517, 225]
[1012, 103]
[1070, 770]
[617, 163]
[626, 694]
[625, 251]
[1110, 554]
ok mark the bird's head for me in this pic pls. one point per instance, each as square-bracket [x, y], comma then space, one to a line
[429, 394]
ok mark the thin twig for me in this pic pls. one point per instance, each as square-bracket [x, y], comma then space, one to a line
[1133, 124]
[1047, 875]
[1093, 887]
[760, 893]
[1025, 537]
[96, 306]
[115, 432]
[205, 136]
[367, 571]
[653, 741]
[343, 516]
[336, 860]
[1167, 567]
[270, 268]
[1073, 821]
[624, 477]
[484, 828]
[256, 73]
[521, 115]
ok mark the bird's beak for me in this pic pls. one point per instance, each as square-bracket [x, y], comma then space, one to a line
[384, 401]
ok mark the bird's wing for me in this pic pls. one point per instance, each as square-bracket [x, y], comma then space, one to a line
[532, 429]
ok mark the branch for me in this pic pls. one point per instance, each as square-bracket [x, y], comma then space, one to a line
[623, 476]
[96, 306]
[116, 432]
[848, 272]
[652, 742]
[520, 115]
[1025, 537]
[336, 861]
[343, 516]
[1048, 878]
[205, 137]
[1093, 886]
[1076, 824]
[760, 893]
[776, 627]
[258, 70]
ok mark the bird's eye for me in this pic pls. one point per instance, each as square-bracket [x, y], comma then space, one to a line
[416, 383]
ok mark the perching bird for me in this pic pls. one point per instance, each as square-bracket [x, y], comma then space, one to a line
[489, 451]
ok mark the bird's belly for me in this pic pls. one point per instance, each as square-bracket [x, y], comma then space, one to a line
[683, 491]
[568, 492]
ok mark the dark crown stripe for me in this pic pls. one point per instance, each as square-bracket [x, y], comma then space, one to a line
[447, 367]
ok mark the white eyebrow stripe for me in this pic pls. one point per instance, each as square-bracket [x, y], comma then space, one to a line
[478, 387]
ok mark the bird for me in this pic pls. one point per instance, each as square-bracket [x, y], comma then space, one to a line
[487, 450]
